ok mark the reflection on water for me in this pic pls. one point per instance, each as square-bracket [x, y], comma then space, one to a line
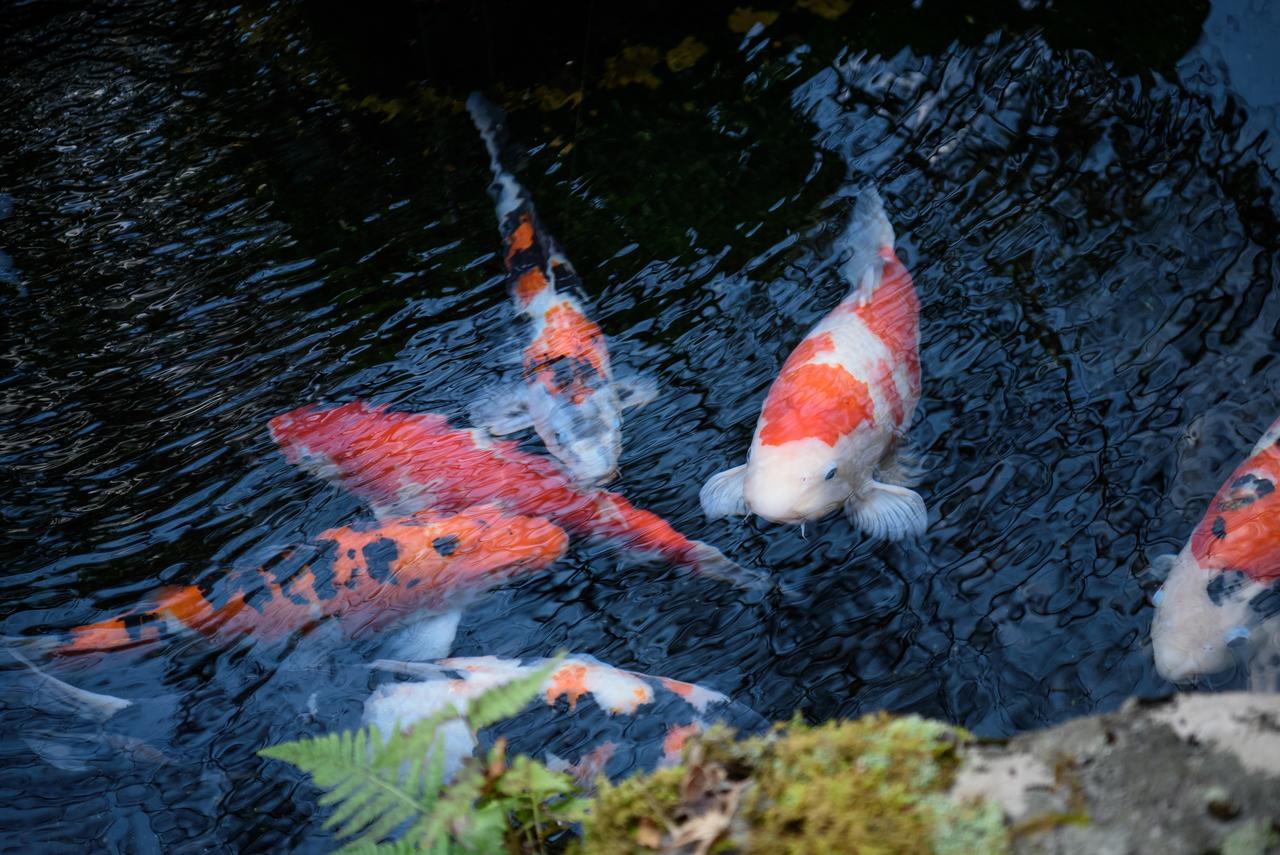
[198, 236]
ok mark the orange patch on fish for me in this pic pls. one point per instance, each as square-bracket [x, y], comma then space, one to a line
[684, 690]
[570, 680]
[1241, 528]
[893, 313]
[677, 735]
[567, 334]
[520, 239]
[530, 284]
[814, 400]
[100, 636]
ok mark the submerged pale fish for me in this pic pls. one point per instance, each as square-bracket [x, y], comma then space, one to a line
[589, 717]
[569, 395]
[829, 428]
[1221, 597]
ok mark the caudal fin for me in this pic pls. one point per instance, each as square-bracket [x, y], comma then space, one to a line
[868, 232]
[711, 562]
[52, 695]
[888, 512]
[491, 122]
[723, 495]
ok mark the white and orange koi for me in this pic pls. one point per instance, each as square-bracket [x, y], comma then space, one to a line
[1222, 595]
[569, 395]
[830, 425]
[596, 732]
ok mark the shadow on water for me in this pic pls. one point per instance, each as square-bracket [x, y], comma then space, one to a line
[213, 215]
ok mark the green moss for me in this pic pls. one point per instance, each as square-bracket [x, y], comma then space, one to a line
[874, 785]
[619, 812]
[1254, 838]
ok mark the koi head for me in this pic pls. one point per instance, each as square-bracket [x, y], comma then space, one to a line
[798, 481]
[1205, 618]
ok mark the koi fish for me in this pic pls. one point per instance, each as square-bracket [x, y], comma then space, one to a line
[402, 462]
[1221, 597]
[569, 396]
[405, 573]
[829, 427]
[610, 719]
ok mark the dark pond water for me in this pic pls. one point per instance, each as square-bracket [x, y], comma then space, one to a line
[209, 219]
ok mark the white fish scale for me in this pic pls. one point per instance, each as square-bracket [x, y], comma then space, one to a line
[859, 351]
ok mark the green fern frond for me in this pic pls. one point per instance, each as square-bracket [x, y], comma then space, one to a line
[377, 786]
[506, 700]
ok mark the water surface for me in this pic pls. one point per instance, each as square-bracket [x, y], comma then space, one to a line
[214, 214]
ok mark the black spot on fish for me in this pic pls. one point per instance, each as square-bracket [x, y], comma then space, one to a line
[379, 555]
[562, 370]
[445, 545]
[413, 583]
[1225, 584]
[257, 599]
[134, 623]
[1246, 490]
[1267, 604]
[286, 567]
[351, 553]
[1219, 528]
[322, 571]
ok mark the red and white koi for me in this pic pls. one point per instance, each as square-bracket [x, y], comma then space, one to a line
[1222, 595]
[569, 395]
[605, 727]
[411, 575]
[830, 425]
[402, 463]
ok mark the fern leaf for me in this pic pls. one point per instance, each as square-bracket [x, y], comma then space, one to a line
[399, 847]
[506, 700]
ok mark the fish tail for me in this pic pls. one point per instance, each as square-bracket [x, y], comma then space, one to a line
[56, 696]
[708, 561]
[510, 197]
[867, 234]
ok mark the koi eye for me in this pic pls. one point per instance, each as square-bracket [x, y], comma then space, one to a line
[831, 473]
[1226, 584]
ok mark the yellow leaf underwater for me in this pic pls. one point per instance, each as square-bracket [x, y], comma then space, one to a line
[743, 19]
[685, 54]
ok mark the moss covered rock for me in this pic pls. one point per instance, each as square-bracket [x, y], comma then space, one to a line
[879, 784]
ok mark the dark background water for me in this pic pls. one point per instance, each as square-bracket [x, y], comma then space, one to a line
[213, 214]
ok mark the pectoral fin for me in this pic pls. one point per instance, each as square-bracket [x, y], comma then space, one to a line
[503, 412]
[888, 512]
[635, 392]
[723, 496]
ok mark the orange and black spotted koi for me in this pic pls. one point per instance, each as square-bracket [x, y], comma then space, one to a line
[405, 462]
[569, 395]
[365, 579]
